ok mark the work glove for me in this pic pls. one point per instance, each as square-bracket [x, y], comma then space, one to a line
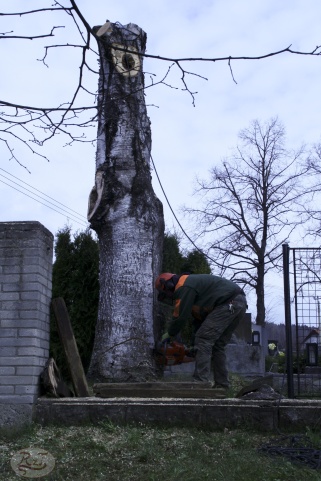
[166, 338]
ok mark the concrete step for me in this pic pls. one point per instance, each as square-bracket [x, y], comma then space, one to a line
[215, 414]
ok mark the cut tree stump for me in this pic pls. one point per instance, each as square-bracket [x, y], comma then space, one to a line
[158, 390]
[69, 344]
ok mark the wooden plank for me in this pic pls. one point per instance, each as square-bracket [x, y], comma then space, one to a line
[163, 393]
[158, 390]
[152, 385]
[70, 348]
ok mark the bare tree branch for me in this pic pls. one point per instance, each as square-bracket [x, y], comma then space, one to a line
[49, 121]
[315, 52]
[33, 37]
[30, 12]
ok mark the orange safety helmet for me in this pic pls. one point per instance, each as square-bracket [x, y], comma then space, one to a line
[162, 279]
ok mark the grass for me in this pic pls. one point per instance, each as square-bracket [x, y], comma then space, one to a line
[107, 452]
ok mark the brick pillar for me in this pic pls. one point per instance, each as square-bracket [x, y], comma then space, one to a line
[26, 250]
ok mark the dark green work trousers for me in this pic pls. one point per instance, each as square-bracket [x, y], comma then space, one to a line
[212, 337]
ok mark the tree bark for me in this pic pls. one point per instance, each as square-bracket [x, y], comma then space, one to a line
[125, 212]
[260, 295]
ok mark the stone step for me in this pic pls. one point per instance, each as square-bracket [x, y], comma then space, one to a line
[269, 416]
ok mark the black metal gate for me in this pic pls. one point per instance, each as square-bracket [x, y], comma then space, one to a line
[302, 298]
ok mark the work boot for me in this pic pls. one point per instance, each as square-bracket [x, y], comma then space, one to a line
[220, 386]
[220, 391]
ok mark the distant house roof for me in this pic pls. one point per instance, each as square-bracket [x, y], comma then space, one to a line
[312, 333]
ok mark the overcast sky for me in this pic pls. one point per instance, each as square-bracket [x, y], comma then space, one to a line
[187, 139]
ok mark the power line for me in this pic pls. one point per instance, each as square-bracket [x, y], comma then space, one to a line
[34, 188]
[64, 210]
[68, 215]
[175, 217]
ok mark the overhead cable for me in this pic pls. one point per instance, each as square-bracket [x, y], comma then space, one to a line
[175, 217]
[65, 214]
[34, 188]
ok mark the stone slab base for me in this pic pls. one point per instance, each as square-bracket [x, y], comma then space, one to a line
[15, 415]
[268, 416]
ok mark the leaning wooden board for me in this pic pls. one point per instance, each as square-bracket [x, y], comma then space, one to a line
[70, 347]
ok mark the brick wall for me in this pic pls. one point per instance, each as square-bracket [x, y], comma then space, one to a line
[26, 251]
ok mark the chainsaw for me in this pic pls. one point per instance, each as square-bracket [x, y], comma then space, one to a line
[172, 353]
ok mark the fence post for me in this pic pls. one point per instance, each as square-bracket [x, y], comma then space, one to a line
[287, 314]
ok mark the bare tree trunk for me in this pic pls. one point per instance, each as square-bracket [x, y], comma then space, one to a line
[125, 212]
[260, 296]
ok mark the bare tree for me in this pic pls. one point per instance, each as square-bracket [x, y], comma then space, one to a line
[74, 118]
[248, 208]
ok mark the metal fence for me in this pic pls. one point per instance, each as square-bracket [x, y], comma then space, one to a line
[302, 297]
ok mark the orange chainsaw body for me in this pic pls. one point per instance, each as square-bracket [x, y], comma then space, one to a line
[172, 353]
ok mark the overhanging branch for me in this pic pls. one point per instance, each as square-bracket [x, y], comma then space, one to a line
[85, 34]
